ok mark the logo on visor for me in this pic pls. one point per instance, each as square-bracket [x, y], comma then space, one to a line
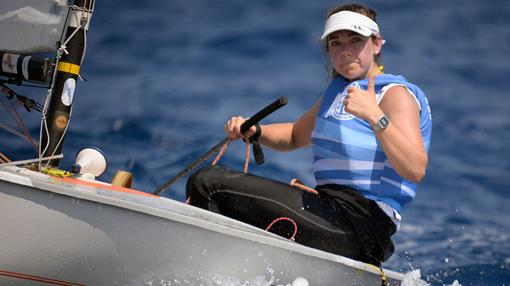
[357, 27]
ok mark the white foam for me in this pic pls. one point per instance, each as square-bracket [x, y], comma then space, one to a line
[413, 278]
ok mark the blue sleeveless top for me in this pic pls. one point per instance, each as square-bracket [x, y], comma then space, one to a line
[346, 151]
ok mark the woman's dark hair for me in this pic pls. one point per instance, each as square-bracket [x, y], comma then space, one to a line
[358, 8]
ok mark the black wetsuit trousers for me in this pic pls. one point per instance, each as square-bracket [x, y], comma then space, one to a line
[339, 220]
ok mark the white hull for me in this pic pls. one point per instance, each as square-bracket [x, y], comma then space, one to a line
[89, 235]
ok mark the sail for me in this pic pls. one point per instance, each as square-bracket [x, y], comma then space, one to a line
[31, 26]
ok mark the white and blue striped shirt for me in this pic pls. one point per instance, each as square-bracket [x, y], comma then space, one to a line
[346, 151]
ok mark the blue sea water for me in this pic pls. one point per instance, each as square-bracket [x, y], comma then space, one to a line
[163, 76]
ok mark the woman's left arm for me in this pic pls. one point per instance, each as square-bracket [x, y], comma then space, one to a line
[401, 140]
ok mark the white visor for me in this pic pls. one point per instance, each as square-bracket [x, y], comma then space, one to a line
[352, 21]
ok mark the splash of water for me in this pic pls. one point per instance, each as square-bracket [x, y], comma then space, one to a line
[413, 278]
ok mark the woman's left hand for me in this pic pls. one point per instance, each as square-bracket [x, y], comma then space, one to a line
[362, 103]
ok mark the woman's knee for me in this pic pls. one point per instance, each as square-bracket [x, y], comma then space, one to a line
[202, 179]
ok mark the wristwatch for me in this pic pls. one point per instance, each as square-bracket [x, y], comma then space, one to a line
[381, 123]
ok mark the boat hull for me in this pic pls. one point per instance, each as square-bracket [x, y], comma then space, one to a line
[85, 234]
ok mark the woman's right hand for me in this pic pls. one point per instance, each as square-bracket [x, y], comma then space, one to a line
[233, 128]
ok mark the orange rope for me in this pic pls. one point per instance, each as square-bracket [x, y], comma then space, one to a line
[222, 151]
[224, 148]
[295, 183]
[247, 159]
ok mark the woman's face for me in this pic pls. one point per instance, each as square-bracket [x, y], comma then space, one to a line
[352, 54]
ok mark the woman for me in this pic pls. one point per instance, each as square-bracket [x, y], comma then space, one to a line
[370, 133]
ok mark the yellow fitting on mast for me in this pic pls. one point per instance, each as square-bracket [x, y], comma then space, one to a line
[69, 68]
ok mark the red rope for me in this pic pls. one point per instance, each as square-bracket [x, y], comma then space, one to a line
[287, 219]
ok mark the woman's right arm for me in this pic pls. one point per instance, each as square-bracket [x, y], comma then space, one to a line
[279, 136]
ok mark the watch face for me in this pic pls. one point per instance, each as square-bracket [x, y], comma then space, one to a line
[384, 121]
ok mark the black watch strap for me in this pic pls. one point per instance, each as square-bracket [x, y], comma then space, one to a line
[255, 137]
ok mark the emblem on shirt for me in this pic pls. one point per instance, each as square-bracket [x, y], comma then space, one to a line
[337, 110]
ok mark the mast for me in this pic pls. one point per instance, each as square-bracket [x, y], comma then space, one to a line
[69, 58]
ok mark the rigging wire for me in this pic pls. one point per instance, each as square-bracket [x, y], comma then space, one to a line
[61, 138]
[12, 131]
[4, 159]
[33, 85]
[25, 102]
